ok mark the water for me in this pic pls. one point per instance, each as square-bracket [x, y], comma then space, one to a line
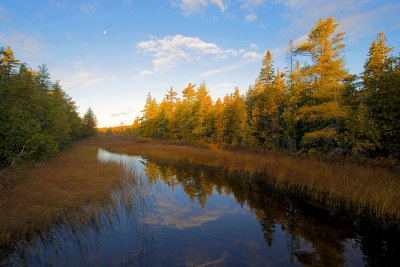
[169, 214]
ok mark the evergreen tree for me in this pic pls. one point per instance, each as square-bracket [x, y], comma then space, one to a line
[148, 121]
[36, 116]
[89, 123]
[323, 114]
[267, 71]
[235, 119]
[379, 116]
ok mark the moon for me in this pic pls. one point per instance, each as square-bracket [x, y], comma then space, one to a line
[105, 32]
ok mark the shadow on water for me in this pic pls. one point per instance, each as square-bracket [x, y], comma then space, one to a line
[173, 214]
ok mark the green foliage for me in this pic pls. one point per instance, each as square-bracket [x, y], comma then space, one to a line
[378, 116]
[89, 123]
[36, 116]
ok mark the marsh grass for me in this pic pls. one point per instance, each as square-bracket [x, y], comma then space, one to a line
[69, 188]
[365, 188]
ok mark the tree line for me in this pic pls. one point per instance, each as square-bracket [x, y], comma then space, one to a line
[316, 107]
[36, 116]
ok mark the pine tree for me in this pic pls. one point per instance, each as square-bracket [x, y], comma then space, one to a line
[267, 71]
[148, 120]
[7, 58]
[189, 93]
[201, 109]
[379, 115]
[322, 114]
[89, 123]
[235, 119]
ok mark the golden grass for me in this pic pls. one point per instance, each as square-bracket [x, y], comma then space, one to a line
[368, 188]
[44, 195]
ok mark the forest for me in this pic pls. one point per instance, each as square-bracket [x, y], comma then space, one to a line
[37, 118]
[317, 108]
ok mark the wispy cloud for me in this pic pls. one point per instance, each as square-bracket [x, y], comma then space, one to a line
[192, 6]
[222, 88]
[61, 4]
[248, 57]
[302, 39]
[356, 17]
[171, 50]
[129, 2]
[23, 44]
[251, 4]
[3, 14]
[125, 112]
[223, 69]
[90, 7]
[83, 79]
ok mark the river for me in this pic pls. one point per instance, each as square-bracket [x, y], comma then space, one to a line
[170, 214]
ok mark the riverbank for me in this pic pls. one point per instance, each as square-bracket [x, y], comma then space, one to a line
[45, 194]
[371, 189]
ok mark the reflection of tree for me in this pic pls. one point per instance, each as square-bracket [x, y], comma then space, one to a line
[317, 236]
[151, 171]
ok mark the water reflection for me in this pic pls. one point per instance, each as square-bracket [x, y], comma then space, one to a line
[171, 214]
[310, 235]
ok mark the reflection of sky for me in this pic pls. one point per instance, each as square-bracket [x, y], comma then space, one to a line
[130, 163]
[173, 208]
[222, 232]
[182, 214]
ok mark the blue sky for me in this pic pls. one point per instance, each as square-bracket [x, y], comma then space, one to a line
[109, 54]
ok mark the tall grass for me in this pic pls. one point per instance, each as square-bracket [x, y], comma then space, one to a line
[367, 188]
[73, 182]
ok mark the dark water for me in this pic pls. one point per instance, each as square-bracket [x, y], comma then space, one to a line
[175, 215]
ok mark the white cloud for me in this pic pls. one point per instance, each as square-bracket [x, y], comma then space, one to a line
[191, 6]
[171, 50]
[251, 17]
[252, 56]
[144, 73]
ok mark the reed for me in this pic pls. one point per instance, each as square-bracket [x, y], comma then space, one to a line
[364, 187]
[72, 182]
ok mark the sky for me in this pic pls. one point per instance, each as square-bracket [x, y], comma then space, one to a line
[108, 55]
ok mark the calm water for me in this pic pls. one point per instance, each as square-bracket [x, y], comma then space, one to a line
[177, 215]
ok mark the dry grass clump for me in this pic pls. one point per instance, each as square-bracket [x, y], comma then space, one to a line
[369, 188]
[43, 195]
